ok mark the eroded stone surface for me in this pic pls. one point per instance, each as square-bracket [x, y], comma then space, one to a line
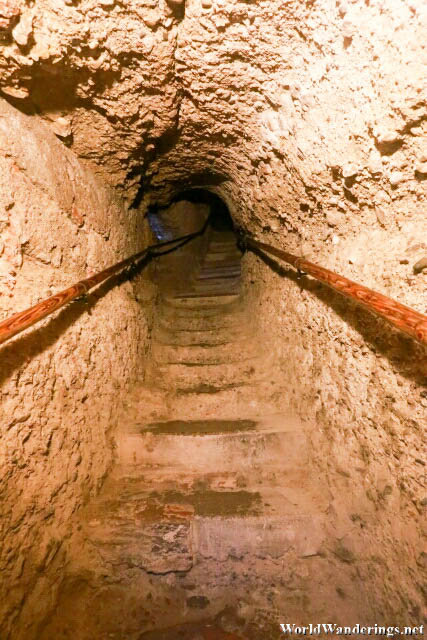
[58, 381]
[309, 119]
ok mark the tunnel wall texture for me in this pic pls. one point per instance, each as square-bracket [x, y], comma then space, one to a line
[309, 118]
[60, 382]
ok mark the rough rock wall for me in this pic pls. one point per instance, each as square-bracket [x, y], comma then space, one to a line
[59, 382]
[309, 118]
[100, 73]
[365, 388]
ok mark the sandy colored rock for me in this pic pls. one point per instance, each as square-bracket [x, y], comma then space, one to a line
[308, 120]
[59, 435]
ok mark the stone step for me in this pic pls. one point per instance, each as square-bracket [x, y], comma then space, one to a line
[256, 537]
[210, 338]
[223, 237]
[195, 293]
[132, 528]
[161, 532]
[230, 241]
[206, 630]
[263, 398]
[222, 255]
[203, 323]
[211, 354]
[223, 281]
[221, 245]
[226, 310]
[189, 446]
[265, 395]
[224, 234]
[201, 302]
[291, 487]
[221, 262]
[212, 287]
[216, 245]
[218, 271]
[199, 424]
[203, 378]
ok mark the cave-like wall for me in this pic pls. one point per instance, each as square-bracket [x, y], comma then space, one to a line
[60, 382]
[309, 118]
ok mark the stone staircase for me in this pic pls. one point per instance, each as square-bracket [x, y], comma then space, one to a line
[212, 493]
[202, 342]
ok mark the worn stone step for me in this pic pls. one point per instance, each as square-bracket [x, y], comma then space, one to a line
[223, 237]
[210, 281]
[205, 378]
[214, 287]
[197, 292]
[219, 270]
[202, 295]
[196, 420]
[201, 302]
[224, 256]
[226, 245]
[147, 403]
[206, 630]
[226, 310]
[223, 234]
[205, 452]
[161, 532]
[256, 536]
[230, 241]
[204, 423]
[206, 339]
[213, 322]
[289, 487]
[223, 245]
[264, 396]
[214, 270]
[226, 353]
[231, 251]
[128, 527]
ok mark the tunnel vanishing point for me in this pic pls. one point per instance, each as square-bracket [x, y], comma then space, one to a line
[211, 444]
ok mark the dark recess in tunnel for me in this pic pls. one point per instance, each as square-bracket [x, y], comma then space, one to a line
[203, 213]
[220, 218]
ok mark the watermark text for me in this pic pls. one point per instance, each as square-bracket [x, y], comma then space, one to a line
[355, 630]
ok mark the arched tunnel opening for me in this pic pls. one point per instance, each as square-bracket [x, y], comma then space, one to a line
[165, 222]
[221, 219]
[209, 263]
[222, 438]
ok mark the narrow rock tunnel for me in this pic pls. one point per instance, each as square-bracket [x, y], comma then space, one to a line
[212, 444]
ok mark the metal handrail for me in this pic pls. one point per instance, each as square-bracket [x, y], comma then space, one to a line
[25, 319]
[400, 316]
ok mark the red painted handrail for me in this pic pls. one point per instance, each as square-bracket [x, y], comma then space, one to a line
[400, 316]
[25, 319]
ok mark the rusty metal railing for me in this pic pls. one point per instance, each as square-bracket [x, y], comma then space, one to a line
[25, 319]
[400, 316]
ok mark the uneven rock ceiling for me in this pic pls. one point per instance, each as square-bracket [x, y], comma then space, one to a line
[289, 109]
